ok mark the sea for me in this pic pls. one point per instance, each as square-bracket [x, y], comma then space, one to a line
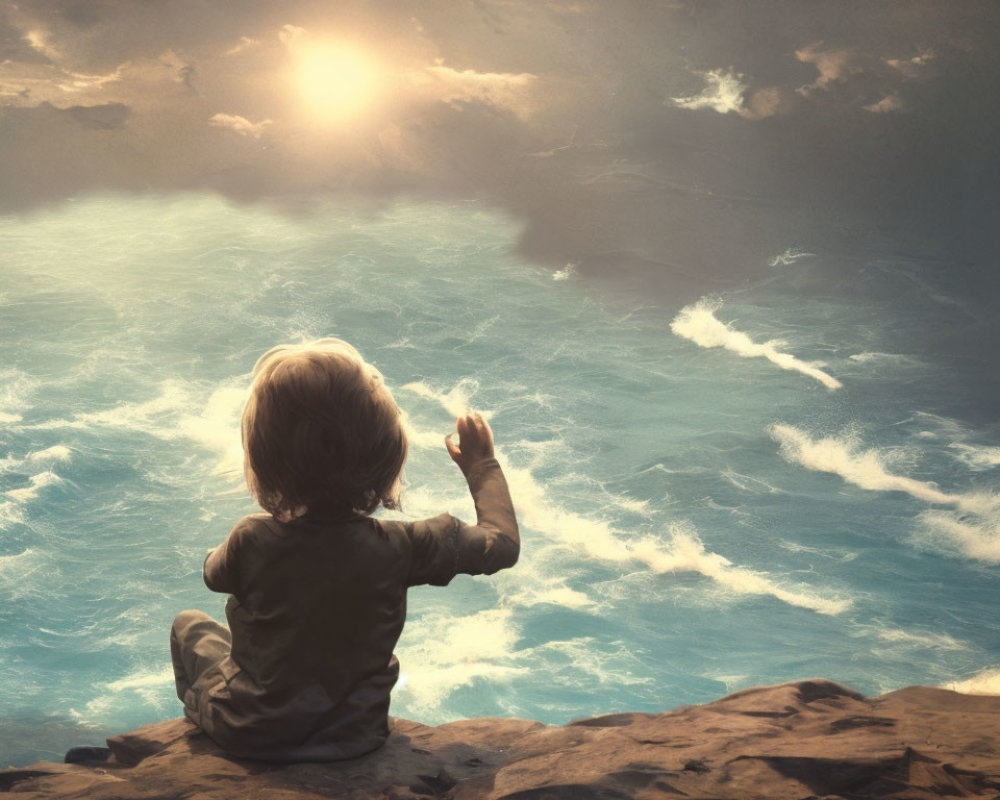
[776, 481]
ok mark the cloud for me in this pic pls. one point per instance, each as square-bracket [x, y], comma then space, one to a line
[290, 34]
[245, 43]
[888, 104]
[834, 66]
[726, 92]
[642, 169]
[39, 41]
[240, 125]
[499, 89]
[723, 93]
[911, 67]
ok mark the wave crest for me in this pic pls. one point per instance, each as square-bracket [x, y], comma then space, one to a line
[699, 324]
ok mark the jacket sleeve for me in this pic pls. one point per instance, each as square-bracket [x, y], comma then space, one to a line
[445, 546]
[221, 570]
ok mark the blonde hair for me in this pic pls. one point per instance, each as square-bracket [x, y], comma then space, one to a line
[322, 434]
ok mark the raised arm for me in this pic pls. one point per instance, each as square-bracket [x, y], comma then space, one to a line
[493, 543]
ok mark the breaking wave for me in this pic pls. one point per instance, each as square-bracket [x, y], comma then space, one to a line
[973, 528]
[699, 324]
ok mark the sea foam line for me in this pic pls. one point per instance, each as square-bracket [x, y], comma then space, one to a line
[455, 401]
[685, 552]
[11, 509]
[866, 469]
[179, 411]
[440, 653]
[978, 539]
[598, 540]
[986, 681]
[790, 256]
[972, 526]
[699, 324]
[450, 652]
[977, 457]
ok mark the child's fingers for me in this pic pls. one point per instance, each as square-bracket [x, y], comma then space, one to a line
[485, 431]
[475, 439]
[482, 428]
[479, 437]
[464, 424]
[471, 430]
[453, 449]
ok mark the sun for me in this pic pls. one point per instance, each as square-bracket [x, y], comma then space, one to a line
[337, 81]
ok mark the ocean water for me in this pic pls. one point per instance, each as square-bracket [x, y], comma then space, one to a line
[779, 482]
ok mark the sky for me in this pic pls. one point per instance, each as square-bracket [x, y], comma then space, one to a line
[679, 144]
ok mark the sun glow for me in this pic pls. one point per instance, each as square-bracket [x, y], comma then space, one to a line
[338, 82]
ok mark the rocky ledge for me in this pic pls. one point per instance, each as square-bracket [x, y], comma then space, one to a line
[811, 739]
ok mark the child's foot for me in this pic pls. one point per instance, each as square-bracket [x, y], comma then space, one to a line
[78, 755]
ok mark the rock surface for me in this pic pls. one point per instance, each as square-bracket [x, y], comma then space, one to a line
[811, 739]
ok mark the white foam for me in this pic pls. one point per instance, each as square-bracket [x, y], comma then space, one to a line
[35, 484]
[685, 553]
[153, 687]
[8, 563]
[534, 582]
[179, 411]
[699, 324]
[16, 569]
[790, 256]
[972, 528]
[986, 681]
[731, 682]
[144, 417]
[866, 469]
[57, 454]
[977, 457]
[973, 537]
[565, 273]
[50, 456]
[557, 595]
[748, 483]
[455, 401]
[217, 427]
[937, 641]
[421, 437]
[877, 357]
[843, 556]
[441, 652]
[143, 681]
[629, 504]
[15, 390]
[950, 427]
[583, 654]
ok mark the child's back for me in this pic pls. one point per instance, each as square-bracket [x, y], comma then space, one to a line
[317, 604]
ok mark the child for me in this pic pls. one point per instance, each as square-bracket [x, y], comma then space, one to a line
[318, 586]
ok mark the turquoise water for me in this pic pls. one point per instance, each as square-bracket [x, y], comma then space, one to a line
[703, 508]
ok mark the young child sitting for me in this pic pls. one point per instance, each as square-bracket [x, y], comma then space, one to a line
[317, 585]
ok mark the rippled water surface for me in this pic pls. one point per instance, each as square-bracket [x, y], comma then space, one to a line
[776, 483]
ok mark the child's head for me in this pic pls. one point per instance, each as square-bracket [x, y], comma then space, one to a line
[321, 433]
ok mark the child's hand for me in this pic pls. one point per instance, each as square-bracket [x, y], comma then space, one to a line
[475, 441]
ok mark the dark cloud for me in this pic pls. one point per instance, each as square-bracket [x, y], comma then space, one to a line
[103, 118]
[864, 126]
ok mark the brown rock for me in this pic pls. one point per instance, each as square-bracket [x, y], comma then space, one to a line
[811, 739]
